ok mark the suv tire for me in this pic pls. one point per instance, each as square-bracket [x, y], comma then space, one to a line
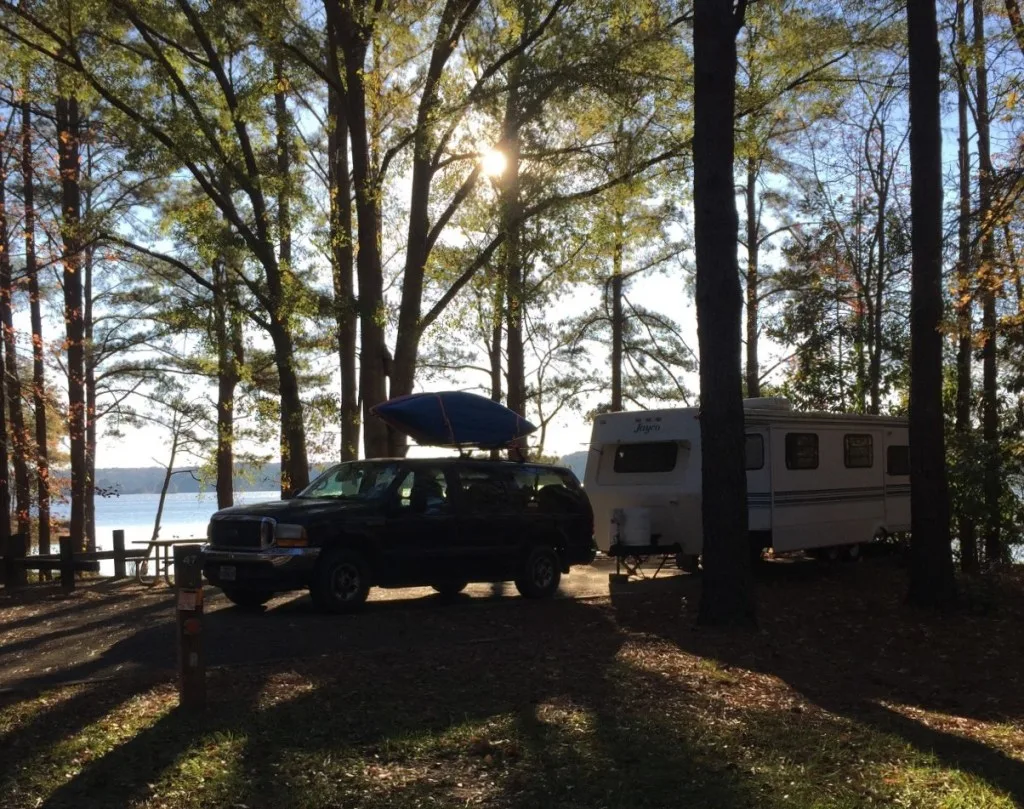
[247, 599]
[540, 573]
[341, 582]
[449, 589]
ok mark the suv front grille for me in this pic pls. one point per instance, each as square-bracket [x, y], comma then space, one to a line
[236, 534]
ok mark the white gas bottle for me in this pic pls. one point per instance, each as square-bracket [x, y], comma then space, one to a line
[636, 527]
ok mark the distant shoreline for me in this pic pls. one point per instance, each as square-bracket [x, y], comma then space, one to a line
[150, 479]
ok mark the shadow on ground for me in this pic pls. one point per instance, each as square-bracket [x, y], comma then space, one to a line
[841, 636]
[510, 703]
[532, 720]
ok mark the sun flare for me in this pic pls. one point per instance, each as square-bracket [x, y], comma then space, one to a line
[494, 162]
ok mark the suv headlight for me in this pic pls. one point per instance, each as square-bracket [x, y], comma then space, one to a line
[288, 535]
[266, 532]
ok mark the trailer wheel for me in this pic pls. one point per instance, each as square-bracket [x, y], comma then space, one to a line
[829, 554]
[688, 562]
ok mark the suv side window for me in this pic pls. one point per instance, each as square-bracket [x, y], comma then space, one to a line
[423, 491]
[483, 491]
[547, 490]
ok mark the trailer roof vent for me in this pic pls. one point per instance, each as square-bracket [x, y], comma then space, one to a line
[768, 403]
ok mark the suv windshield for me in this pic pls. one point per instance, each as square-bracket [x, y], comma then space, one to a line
[360, 480]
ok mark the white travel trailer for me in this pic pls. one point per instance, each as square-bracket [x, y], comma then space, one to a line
[819, 482]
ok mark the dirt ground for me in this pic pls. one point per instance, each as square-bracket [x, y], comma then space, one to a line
[107, 629]
[844, 696]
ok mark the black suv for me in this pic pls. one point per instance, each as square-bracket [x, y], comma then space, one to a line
[402, 523]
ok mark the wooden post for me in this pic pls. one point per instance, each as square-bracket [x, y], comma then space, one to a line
[188, 580]
[13, 551]
[17, 546]
[5, 552]
[119, 562]
[67, 564]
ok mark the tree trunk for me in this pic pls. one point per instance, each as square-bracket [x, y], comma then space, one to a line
[89, 490]
[5, 483]
[373, 350]
[964, 314]
[727, 596]
[227, 381]
[19, 437]
[71, 214]
[875, 348]
[618, 318]
[294, 462]
[497, 333]
[167, 481]
[931, 576]
[512, 258]
[454, 15]
[341, 249]
[753, 256]
[283, 125]
[35, 306]
[1016, 22]
[989, 283]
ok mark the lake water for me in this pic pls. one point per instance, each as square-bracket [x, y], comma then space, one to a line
[185, 516]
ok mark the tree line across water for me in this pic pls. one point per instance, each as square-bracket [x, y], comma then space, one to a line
[250, 222]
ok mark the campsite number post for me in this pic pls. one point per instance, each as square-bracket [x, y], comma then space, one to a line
[188, 579]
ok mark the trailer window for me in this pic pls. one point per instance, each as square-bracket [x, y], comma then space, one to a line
[897, 460]
[801, 450]
[754, 452]
[858, 451]
[648, 458]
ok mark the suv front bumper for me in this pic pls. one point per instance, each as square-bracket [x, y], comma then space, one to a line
[270, 568]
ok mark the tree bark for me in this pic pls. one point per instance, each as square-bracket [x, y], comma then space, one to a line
[453, 18]
[512, 257]
[68, 131]
[727, 596]
[225, 320]
[282, 123]
[345, 316]
[964, 304]
[931, 575]
[1016, 22]
[753, 257]
[497, 333]
[875, 347]
[989, 280]
[89, 487]
[294, 462]
[35, 307]
[373, 349]
[167, 481]
[618, 317]
[19, 437]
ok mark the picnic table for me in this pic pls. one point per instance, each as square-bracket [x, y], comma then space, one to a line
[162, 551]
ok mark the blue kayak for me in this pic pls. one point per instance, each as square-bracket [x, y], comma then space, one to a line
[454, 419]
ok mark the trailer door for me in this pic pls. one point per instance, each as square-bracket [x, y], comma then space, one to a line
[759, 479]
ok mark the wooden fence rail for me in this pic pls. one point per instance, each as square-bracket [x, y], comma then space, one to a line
[17, 561]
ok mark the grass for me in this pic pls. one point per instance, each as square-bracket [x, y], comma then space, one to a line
[600, 713]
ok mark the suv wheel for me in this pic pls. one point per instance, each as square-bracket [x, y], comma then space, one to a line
[341, 582]
[450, 589]
[247, 599]
[540, 573]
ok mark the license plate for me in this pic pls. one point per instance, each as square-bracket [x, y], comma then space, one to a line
[227, 572]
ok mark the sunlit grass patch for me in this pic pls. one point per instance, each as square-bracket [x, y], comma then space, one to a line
[932, 786]
[41, 758]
